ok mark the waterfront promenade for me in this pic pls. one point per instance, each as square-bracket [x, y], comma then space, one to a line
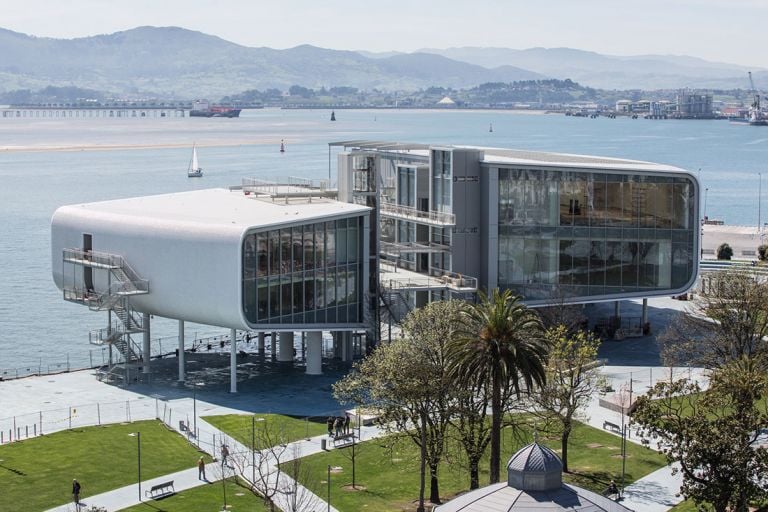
[634, 361]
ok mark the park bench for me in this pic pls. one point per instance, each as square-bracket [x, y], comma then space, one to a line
[160, 490]
[343, 440]
[607, 425]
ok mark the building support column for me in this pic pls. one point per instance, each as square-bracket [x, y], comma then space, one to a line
[261, 343]
[645, 312]
[181, 350]
[314, 353]
[145, 350]
[285, 353]
[336, 335]
[617, 309]
[273, 344]
[233, 362]
[346, 346]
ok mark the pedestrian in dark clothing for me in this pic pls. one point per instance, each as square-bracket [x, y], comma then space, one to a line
[346, 423]
[224, 453]
[329, 424]
[338, 424]
[76, 492]
[201, 469]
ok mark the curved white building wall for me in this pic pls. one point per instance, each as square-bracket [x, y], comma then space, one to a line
[193, 268]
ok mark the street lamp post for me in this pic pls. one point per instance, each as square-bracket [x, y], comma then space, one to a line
[329, 488]
[759, 205]
[137, 435]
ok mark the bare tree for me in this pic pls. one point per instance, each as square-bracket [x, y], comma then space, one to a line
[261, 463]
[297, 497]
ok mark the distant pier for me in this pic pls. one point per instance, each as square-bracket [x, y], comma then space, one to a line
[100, 111]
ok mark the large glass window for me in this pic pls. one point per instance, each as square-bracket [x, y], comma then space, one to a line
[303, 274]
[442, 181]
[578, 233]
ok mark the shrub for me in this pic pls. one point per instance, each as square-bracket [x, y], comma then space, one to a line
[762, 252]
[724, 252]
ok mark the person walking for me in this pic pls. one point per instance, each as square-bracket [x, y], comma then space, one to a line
[338, 425]
[224, 454]
[346, 423]
[329, 424]
[76, 492]
[201, 469]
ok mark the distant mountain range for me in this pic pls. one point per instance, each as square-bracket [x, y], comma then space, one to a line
[177, 63]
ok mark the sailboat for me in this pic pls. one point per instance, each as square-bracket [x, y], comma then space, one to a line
[194, 170]
[491, 128]
[282, 145]
[333, 115]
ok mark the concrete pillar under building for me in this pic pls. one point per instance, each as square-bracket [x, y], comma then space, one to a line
[233, 362]
[314, 353]
[181, 350]
[273, 344]
[261, 343]
[336, 335]
[645, 312]
[285, 352]
[617, 309]
[346, 346]
[145, 350]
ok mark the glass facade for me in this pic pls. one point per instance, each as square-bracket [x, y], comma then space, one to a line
[307, 274]
[587, 234]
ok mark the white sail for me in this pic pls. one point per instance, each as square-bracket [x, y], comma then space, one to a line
[194, 170]
[195, 165]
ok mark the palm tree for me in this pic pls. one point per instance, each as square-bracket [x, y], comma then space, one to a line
[501, 346]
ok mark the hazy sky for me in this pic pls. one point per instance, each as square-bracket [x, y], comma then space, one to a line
[722, 30]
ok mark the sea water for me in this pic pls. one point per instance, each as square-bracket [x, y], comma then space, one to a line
[45, 164]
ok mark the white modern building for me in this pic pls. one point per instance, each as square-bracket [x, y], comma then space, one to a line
[256, 258]
[408, 224]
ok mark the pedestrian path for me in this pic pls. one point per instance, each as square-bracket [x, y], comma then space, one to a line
[288, 494]
[129, 495]
[656, 492]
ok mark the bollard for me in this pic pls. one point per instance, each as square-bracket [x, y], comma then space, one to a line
[10, 438]
[98, 414]
[1, 437]
[26, 434]
[35, 430]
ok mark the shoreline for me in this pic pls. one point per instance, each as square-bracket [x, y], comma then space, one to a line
[118, 147]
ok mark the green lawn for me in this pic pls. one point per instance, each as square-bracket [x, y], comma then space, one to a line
[205, 498]
[38, 472]
[283, 429]
[390, 476]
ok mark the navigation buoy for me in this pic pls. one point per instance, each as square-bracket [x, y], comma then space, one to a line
[333, 115]
[282, 145]
[491, 128]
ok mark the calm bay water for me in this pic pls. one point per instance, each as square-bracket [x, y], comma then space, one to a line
[46, 164]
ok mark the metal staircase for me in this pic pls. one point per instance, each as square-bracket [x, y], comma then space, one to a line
[105, 282]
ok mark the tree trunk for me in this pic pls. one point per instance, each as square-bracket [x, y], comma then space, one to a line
[495, 430]
[434, 488]
[423, 466]
[564, 445]
[474, 474]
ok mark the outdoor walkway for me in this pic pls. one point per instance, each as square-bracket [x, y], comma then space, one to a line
[290, 490]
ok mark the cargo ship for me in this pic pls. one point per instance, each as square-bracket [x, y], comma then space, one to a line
[201, 108]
